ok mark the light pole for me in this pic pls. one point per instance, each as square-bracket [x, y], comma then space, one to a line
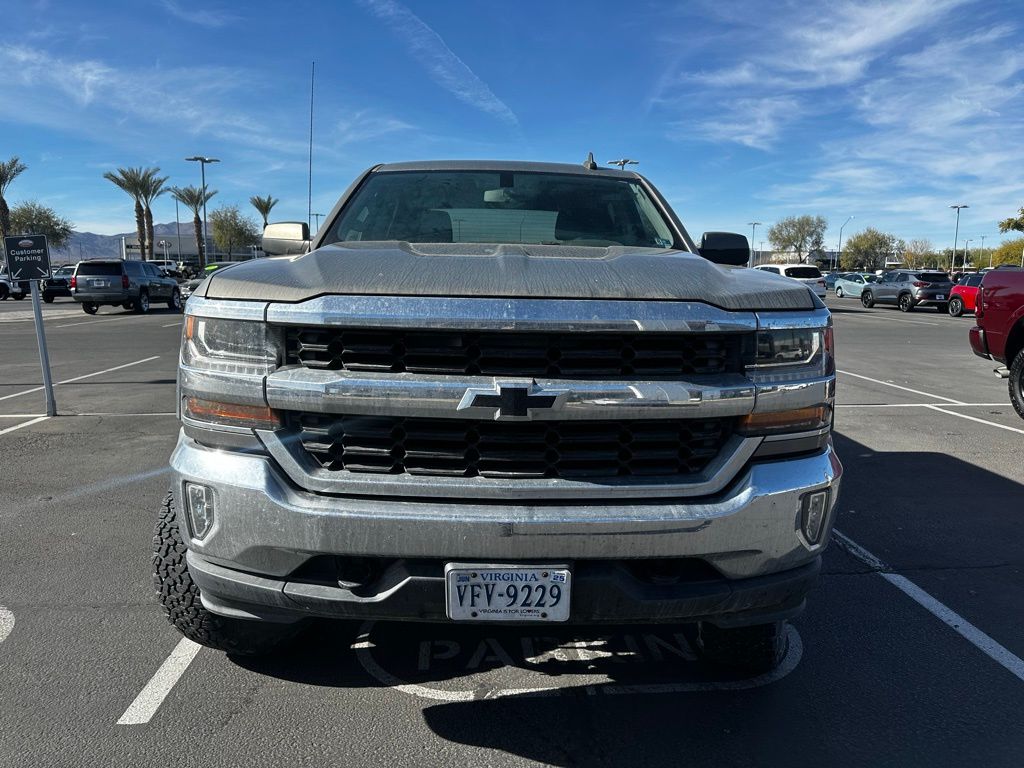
[964, 265]
[983, 250]
[206, 232]
[753, 228]
[318, 217]
[839, 253]
[177, 227]
[956, 232]
[164, 244]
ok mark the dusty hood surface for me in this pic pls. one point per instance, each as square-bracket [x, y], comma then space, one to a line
[505, 271]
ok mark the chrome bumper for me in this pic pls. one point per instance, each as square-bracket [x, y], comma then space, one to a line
[265, 525]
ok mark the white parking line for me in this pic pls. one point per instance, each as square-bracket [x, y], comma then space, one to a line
[960, 625]
[980, 421]
[160, 684]
[6, 623]
[905, 389]
[24, 424]
[171, 325]
[921, 405]
[90, 322]
[79, 378]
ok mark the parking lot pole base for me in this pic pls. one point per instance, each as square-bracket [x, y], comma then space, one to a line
[44, 355]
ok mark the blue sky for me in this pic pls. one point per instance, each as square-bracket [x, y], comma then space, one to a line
[738, 111]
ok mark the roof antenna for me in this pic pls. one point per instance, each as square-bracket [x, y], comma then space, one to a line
[589, 163]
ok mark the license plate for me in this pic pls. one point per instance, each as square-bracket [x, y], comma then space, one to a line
[489, 592]
[941, 296]
[98, 283]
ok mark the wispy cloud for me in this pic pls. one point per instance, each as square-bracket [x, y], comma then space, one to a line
[443, 66]
[752, 122]
[365, 125]
[204, 17]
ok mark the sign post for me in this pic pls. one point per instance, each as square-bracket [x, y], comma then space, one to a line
[28, 258]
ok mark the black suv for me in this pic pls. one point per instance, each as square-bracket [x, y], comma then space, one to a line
[908, 288]
[129, 284]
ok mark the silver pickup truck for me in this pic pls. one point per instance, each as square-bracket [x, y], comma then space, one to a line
[500, 392]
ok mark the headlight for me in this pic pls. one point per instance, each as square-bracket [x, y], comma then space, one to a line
[229, 346]
[791, 353]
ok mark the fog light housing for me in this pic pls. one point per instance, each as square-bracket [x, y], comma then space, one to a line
[199, 503]
[813, 510]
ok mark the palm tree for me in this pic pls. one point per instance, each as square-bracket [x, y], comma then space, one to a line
[195, 198]
[263, 206]
[151, 188]
[9, 171]
[130, 180]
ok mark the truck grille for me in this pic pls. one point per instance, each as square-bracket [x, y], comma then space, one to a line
[515, 353]
[495, 449]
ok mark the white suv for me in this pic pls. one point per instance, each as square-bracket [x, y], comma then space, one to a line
[808, 274]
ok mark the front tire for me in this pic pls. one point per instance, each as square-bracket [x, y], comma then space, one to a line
[48, 298]
[175, 301]
[4, 292]
[943, 308]
[752, 650]
[839, 292]
[17, 296]
[89, 308]
[179, 597]
[906, 303]
[867, 299]
[1016, 383]
[956, 307]
[141, 304]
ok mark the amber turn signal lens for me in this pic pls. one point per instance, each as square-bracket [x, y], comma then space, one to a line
[190, 326]
[231, 414]
[798, 420]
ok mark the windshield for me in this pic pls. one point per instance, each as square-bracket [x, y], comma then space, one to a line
[100, 268]
[502, 207]
[933, 277]
[803, 273]
[870, 278]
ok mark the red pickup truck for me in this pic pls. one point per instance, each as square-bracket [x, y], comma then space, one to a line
[999, 333]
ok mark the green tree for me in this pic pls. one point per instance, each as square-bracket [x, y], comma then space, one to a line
[804, 235]
[151, 186]
[263, 206]
[232, 230]
[32, 218]
[9, 171]
[1009, 252]
[194, 199]
[1012, 224]
[131, 181]
[869, 250]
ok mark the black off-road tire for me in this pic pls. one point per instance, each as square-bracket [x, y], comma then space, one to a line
[955, 307]
[89, 308]
[906, 303]
[175, 303]
[179, 597]
[48, 297]
[141, 304]
[4, 292]
[18, 296]
[867, 299]
[752, 650]
[1016, 383]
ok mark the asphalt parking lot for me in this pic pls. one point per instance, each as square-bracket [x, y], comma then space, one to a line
[910, 652]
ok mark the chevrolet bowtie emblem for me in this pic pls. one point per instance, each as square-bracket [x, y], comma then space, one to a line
[512, 401]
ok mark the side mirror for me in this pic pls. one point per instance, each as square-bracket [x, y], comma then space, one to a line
[725, 248]
[286, 238]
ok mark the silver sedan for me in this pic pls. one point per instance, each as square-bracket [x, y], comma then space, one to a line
[852, 283]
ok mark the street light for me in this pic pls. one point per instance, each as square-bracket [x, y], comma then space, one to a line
[839, 253]
[206, 232]
[318, 217]
[956, 232]
[964, 265]
[753, 228]
[983, 250]
[164, 244]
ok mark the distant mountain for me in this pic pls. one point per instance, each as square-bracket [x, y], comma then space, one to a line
[87, 245]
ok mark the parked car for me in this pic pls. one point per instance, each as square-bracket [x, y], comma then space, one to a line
[852, 284]
[830, 279]
[907, 289]
[999, 333]
[366, 422]
[962, 297]
[58, 284]
[808, 274]
[16, 289]
[129, 284]
[169, 266]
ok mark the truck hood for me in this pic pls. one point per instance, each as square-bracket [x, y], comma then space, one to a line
[506, 271]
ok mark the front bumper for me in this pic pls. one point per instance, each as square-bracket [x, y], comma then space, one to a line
[265, 529]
